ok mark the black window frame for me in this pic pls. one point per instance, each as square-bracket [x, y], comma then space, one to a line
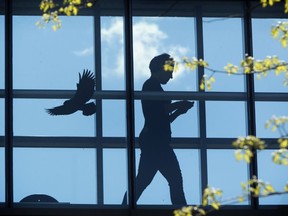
[202, 143]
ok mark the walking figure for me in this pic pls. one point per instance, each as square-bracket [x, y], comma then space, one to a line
[155, 137]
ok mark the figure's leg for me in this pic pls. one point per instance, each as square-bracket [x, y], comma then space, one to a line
[146, 172]
[170, 169]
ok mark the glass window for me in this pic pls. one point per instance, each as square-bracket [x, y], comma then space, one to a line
[2, 153]
[274, 174]
[2, 113]
[66, 174]
[225, 119]
[114, 175]
[44, 59]
[2, 174]
[2, 58]
[190, 168]
[262, 35]
[31, 119]
[112, 53]
[153, 36]
[223, 44]
[114, 118]
[226, 173]
[47, 67]
[189, 165]
[79, 159]
[187, 125]
[264, 112]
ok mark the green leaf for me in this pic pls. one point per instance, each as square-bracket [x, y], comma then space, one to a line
[215, 205]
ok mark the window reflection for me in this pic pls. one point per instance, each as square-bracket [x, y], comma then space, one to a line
[2, 113]
[155, 35]
[68, 175]
[264, 112]
[275, 174]
[44, 59]
[262, 35]
[114, 120]
[225, 119]
[31, 119]
[112, 53]
[2, 50]
[46, 64]
[223, 44]
[189, 162]
[2, 174]
[226, 173]
[115, 175]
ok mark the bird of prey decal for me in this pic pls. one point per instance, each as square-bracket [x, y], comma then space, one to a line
[85, 90]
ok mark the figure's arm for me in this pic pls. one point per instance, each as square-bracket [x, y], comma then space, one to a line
[178, 108]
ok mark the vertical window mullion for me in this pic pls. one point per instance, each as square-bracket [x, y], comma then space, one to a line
[128, 28]
[8, 105]
[99, 114]
[202, 107]
[251, 119]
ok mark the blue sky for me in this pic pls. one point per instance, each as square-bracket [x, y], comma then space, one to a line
[44, 59]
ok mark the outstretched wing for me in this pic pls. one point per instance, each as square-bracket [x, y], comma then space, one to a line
[60, 110]
[85, 90]
[85, 87]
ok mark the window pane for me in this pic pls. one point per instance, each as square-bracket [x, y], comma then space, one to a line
[44, 59]
[262, 35]
[2, 50]
[223, 44]
[2, 114]
[187, 125]
[31, 119]
[2, 152]
[276, 175]
[68, 175]
[264, 112]
[226, 173]
[115, 175]
[157, 192]
[2, 174]
[225, 119]
[112, 50]
[153, 36]
[114, 118]
[190, 167]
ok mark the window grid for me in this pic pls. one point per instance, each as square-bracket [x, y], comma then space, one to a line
[99, 142]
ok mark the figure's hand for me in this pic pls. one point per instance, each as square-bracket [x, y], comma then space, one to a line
[184, 106]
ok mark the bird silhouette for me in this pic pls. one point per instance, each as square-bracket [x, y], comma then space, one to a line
[85, 90]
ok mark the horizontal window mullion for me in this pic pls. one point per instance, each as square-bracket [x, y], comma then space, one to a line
[271, 96]
[120, 142]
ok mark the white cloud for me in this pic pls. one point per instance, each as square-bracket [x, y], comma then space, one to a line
[114, 32]
[148, 41]
[85, 52]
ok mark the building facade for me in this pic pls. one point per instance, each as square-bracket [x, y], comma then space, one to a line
[87, 163]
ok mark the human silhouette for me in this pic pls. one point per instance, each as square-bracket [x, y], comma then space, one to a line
[155, 137]
[85, 90]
